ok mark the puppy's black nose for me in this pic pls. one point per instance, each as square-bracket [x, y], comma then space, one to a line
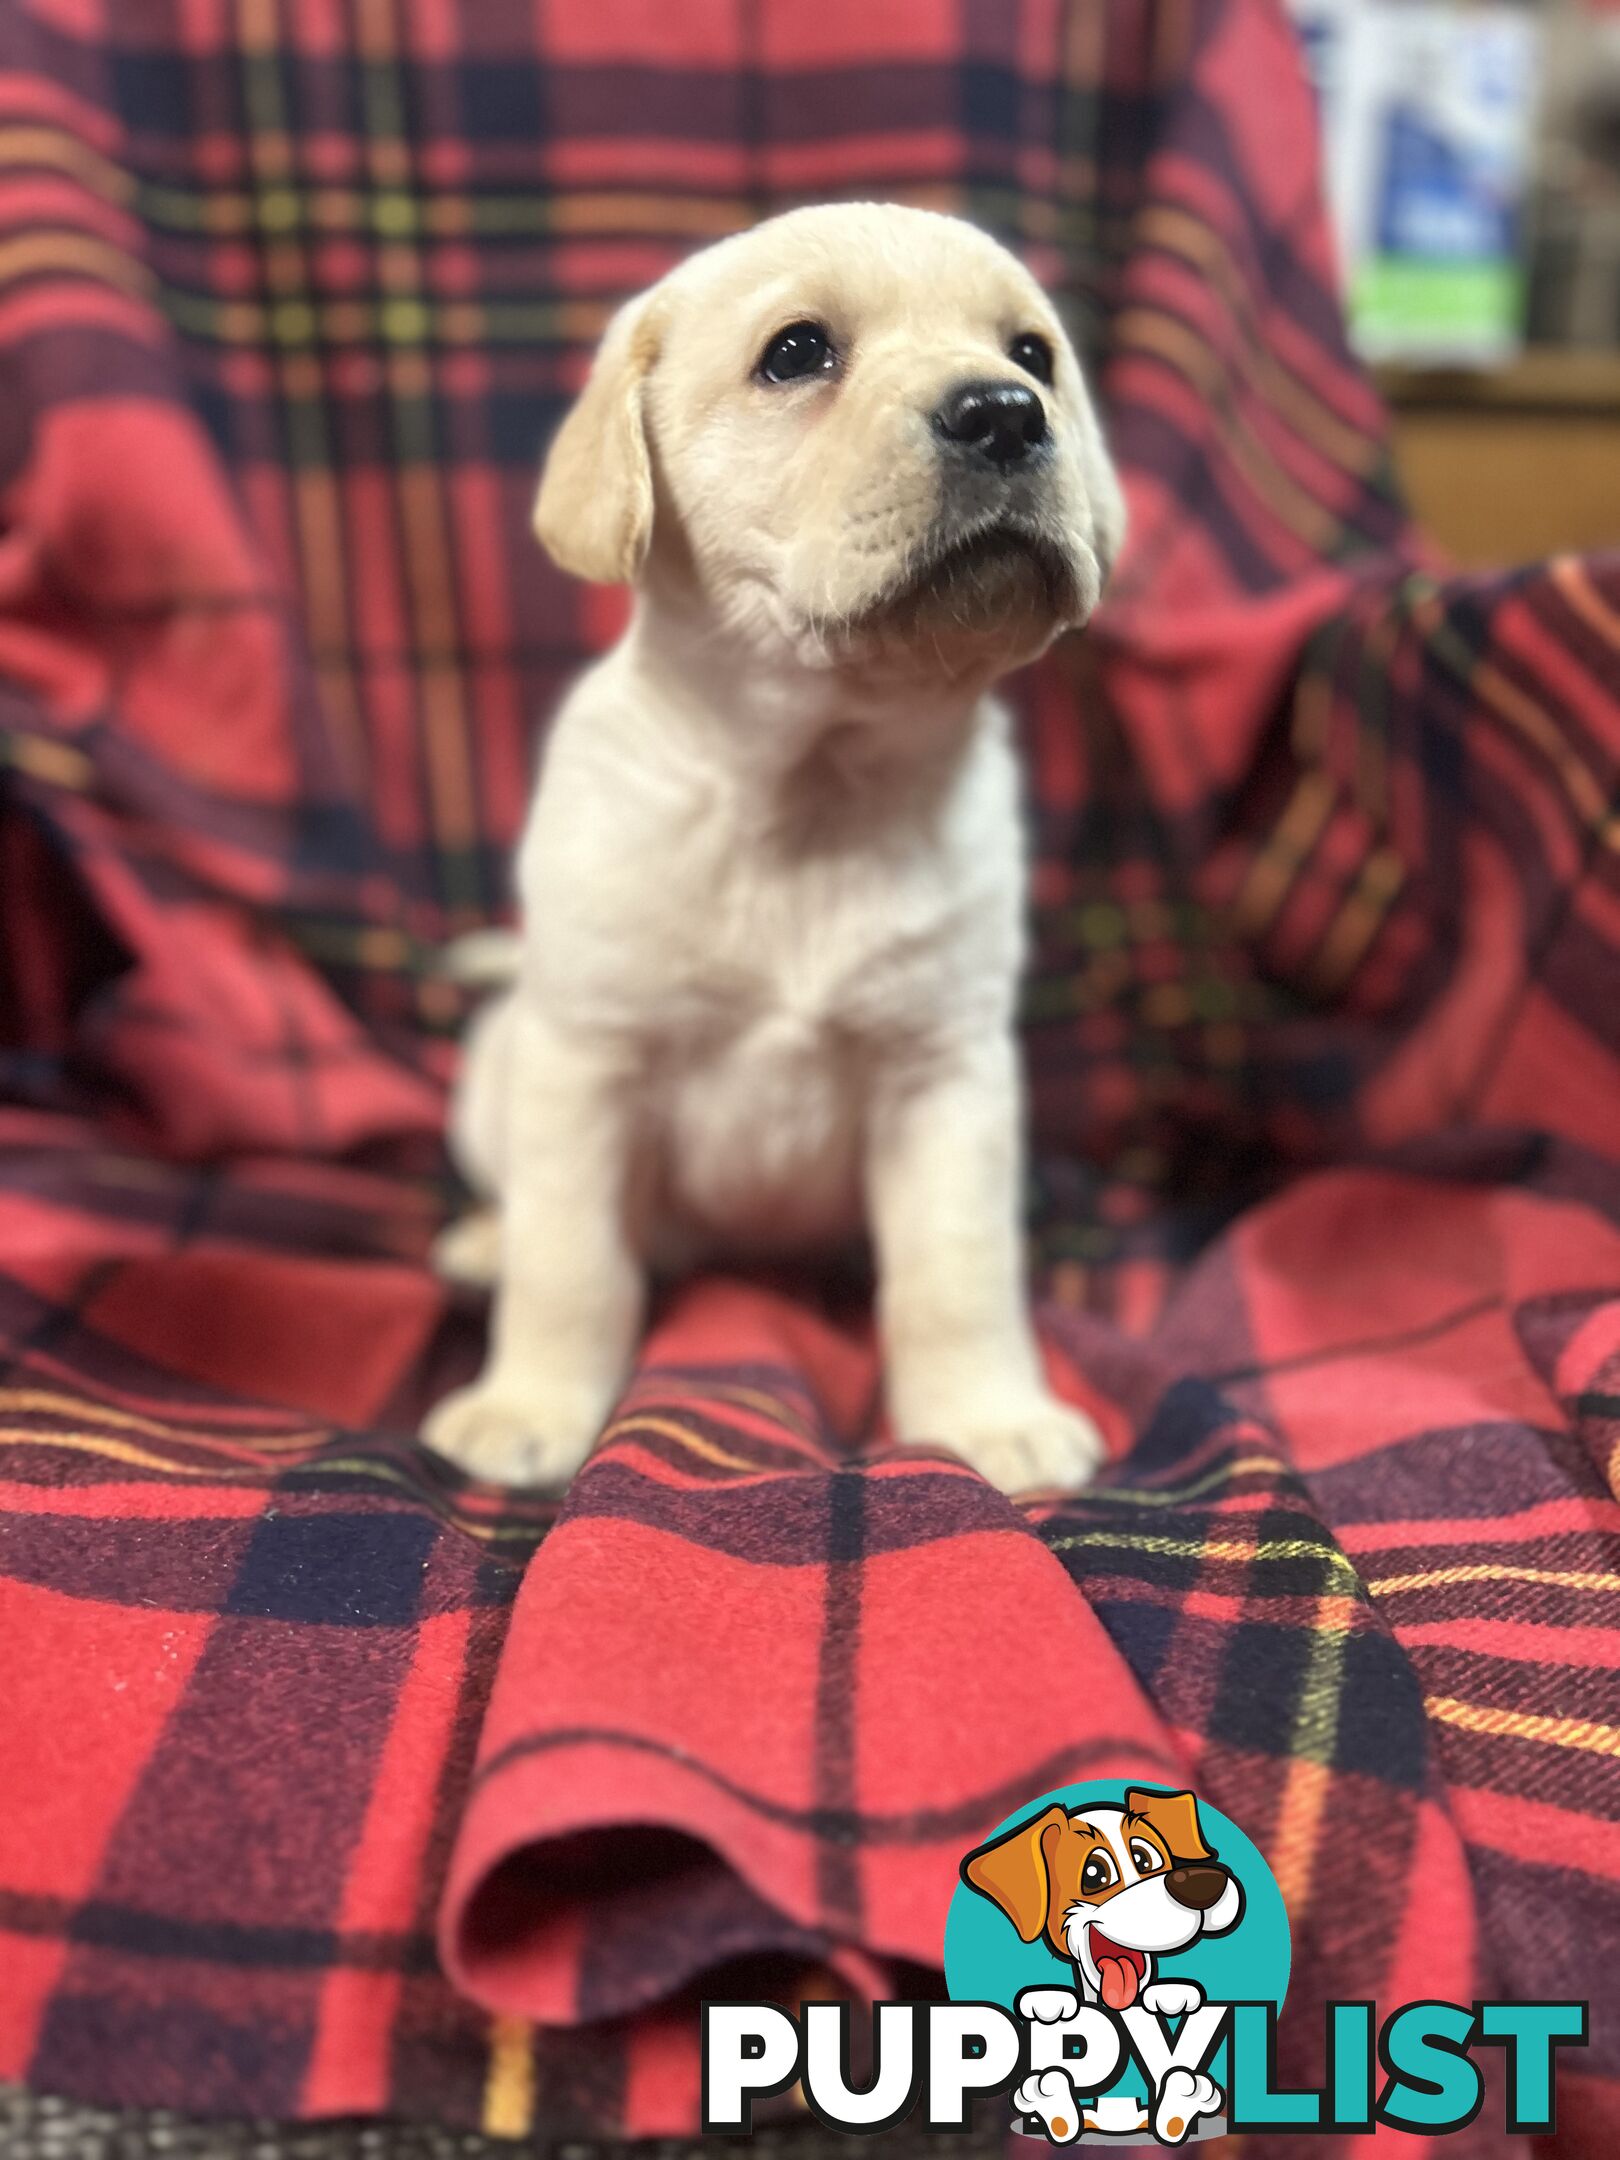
[1198, 1888]
[1001, 421]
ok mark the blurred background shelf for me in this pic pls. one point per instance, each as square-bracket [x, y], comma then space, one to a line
[1513, 461]
[1471, 157]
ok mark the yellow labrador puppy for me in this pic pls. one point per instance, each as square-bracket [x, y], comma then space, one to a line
[772, 883]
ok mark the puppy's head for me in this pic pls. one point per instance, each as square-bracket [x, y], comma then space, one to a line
[1110, 1887]
[856, 429]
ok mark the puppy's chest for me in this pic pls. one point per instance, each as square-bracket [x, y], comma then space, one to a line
[825, 949]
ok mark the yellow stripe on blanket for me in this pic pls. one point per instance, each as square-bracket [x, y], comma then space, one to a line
[1584, 1733]
[509, 2087]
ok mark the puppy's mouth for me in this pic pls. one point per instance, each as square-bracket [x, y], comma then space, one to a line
[980, 578]
[1121, 1969]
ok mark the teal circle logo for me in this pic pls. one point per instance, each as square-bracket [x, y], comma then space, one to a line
[1125, 1896]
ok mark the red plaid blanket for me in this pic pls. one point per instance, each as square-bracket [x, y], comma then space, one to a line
[335, 1784]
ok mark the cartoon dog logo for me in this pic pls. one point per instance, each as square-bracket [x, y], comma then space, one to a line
[1113, 1888]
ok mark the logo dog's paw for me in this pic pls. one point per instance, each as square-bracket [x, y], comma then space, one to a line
[1172, 1998]
[1047, 2005]
[1049, 2096]
[1184, 2096]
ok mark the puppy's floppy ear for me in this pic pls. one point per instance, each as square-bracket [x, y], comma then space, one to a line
[1105, 499]
[1175, 1816]
[1105, 496]
[593, 515]
[1107, 511]
[1012, 1871]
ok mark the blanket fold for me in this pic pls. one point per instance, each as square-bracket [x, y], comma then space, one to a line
[810, 1640]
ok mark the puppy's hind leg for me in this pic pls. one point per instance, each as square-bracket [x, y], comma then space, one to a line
[468, 1251]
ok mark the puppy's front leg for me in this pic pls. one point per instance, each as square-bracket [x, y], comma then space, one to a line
[568, 1301]
[945, 1168]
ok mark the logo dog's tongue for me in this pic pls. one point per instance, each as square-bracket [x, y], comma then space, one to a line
[1118, 1971]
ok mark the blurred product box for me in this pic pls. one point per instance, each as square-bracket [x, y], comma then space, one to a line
[1429, 125]
[1575, 287]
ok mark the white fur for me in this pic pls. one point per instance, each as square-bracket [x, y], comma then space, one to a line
[772, 880]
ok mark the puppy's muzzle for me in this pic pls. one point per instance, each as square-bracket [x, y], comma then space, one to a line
[1198, 1888]
[999, 422]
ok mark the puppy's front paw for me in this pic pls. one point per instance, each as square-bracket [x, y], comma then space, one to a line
[510, 1439]
[1172, 1998]
[1036, 1445]
[1048, 2005]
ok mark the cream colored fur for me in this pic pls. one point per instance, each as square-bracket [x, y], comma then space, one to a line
[772, 884]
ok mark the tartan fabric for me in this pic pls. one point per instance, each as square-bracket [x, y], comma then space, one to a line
[337, 1784]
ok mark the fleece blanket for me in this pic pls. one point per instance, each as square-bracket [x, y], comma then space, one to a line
[336, 1784]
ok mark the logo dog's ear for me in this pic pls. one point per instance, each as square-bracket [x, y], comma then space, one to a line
[1175, 1816]
[1011, 1871]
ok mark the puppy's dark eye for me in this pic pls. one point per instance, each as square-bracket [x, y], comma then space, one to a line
[803, 348]
[1146, 1858]
[1033, 354]
[1097, 1874]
